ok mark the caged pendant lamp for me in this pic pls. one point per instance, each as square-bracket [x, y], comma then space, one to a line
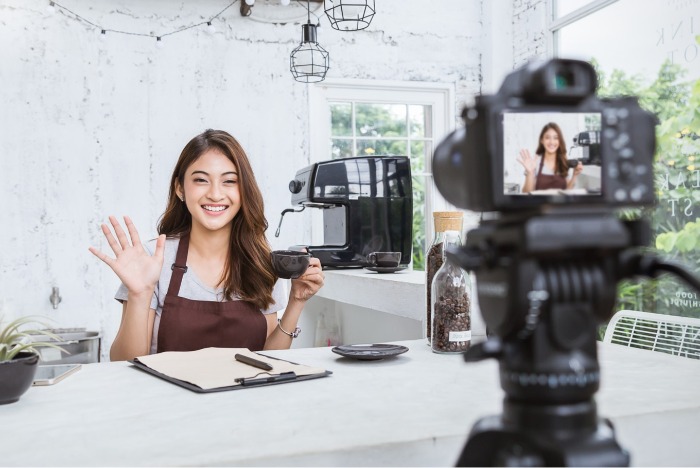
[309, 62]
[349, 15]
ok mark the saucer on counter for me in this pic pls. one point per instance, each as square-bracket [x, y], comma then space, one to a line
[386, 269]
[369, 352]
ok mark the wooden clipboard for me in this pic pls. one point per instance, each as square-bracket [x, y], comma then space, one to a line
[220, 364]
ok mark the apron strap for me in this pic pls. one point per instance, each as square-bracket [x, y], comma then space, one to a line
[539, 171]
[180, 266]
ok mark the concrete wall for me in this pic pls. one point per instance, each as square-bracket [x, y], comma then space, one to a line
[92, 127]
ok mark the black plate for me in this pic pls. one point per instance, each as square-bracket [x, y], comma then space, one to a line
[386, 269]
[369, 352]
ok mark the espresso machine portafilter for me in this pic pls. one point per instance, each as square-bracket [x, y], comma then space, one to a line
[367, 205]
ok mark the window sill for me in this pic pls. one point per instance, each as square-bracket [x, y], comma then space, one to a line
[401, 294]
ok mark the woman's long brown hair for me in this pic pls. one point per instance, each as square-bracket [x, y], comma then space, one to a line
[562, 168]
[248, 272]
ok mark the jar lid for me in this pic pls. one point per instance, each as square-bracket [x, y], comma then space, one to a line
[447, 220]
[447, 214]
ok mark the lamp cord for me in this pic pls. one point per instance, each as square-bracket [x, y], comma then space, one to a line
[309, 12]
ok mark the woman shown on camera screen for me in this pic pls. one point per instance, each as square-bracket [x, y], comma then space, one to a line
[550, 169]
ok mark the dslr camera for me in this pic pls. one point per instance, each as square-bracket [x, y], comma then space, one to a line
[472, 166]
[547, 262]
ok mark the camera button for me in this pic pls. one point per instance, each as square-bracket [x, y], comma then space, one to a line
[626, 153]
[621, 141]
[620, 195]
[627, 169]
[610, 117]
[637, 193]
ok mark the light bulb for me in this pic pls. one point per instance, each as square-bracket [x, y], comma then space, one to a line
[250, 2]
[51, 8]
[103, 35]
[284, 2]
[210, 27]
[159, 42]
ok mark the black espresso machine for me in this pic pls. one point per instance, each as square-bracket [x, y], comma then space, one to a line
[367, 205]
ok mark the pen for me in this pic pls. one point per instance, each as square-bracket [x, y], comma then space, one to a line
[253, 362]
[266, 380]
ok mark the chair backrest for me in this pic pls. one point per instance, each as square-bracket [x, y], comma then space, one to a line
[670, 334]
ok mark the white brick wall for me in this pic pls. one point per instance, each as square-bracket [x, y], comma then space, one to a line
[90, 128]
[529, 30]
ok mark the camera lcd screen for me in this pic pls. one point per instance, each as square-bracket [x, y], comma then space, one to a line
[550, 153]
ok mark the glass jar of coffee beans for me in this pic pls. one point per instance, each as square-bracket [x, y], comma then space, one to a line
[443, 221]
[451, 304]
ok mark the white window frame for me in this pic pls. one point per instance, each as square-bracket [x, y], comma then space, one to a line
[556, 24]
[440, 96]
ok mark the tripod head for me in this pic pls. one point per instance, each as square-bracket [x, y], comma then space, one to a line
[547, 282]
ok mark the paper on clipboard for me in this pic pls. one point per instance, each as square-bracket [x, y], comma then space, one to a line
[212, 368]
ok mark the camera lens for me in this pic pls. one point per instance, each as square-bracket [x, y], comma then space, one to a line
[449, 168]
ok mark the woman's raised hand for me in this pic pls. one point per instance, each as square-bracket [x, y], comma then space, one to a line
[135, 267]
[528, 162]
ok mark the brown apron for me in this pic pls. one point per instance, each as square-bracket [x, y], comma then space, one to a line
[549, 181]
[188, 325]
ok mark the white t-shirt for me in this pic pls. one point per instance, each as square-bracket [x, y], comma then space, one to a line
[545, 169]
[190, 288]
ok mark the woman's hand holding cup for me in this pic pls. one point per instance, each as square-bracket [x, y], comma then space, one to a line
[304, 270]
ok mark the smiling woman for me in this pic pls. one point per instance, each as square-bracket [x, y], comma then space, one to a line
[207, 280]
[551, 170]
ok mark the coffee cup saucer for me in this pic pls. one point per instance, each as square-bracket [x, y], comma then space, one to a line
[369, 352]
[386, 269]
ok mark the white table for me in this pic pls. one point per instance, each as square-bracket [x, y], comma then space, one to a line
[412, 410]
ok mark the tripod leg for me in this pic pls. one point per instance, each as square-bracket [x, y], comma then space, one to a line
[491, 443]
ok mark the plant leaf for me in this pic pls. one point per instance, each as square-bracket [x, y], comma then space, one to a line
[14, 341]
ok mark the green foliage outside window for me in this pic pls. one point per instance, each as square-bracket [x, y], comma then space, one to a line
[675, 218]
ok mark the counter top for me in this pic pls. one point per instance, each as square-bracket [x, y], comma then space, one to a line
[412, 410]
[401, 293]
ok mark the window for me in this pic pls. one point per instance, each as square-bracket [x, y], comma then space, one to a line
[357, 118]
[656, 56]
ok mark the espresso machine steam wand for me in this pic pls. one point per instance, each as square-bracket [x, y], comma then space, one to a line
[303, 207]
[284, 212]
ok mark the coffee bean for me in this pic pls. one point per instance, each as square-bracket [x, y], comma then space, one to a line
[451, 313]
[433, 262]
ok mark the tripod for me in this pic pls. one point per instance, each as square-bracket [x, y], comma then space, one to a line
[545, 282]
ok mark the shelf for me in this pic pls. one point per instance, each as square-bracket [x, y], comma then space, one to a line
[401, 294]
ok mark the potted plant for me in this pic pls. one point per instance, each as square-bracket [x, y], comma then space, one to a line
[19, 357]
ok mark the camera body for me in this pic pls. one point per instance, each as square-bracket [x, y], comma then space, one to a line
[469, 165]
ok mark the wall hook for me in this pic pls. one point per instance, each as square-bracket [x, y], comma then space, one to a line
[55, 297]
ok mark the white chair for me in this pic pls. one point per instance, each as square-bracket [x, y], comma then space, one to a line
[670, 334]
